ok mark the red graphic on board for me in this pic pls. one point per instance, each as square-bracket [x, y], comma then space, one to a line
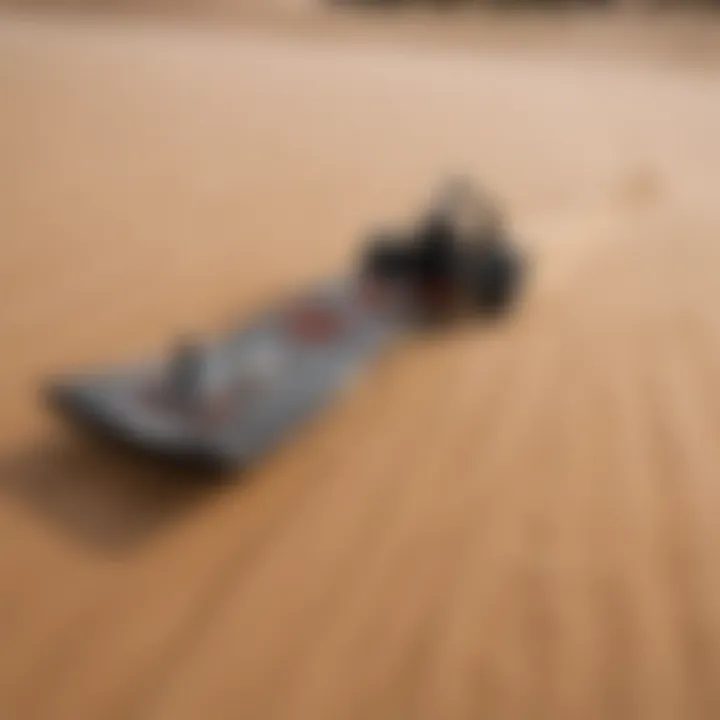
[315, 323]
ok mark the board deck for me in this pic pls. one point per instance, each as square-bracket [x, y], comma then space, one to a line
[259, 382]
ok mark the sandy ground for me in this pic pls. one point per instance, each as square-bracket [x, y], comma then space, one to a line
[519, 522]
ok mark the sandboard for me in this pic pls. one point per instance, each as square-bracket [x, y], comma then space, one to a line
[229, 401]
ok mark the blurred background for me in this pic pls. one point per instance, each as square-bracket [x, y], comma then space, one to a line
[516, 522]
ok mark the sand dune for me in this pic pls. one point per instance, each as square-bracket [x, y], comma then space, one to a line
[517, 522]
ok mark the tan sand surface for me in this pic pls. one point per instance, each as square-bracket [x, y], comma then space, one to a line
[519, 522]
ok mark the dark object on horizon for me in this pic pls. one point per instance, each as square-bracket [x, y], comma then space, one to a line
[448, 267]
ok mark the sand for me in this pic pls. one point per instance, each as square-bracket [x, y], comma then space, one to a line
[509, 522]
